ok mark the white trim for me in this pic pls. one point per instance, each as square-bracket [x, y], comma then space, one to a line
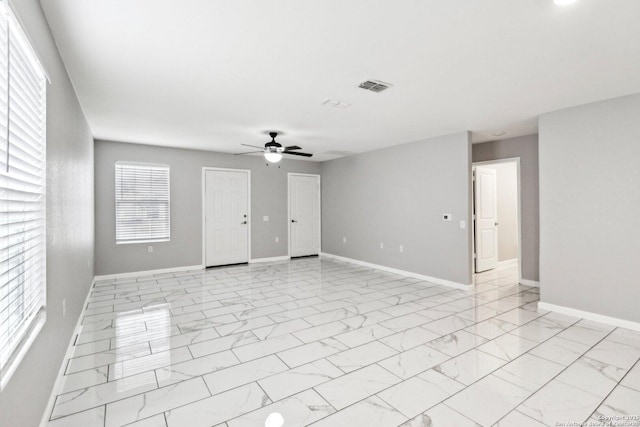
[528, 282]
[17, 21]
[272, 259]
[289, 209]
[614, 321]
[400, 272]
[518, 172]
[44, 422]
[149, 272]
[249, 213]
[35, 326]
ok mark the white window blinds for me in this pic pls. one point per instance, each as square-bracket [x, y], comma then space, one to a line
[142, 203]
[22, 194]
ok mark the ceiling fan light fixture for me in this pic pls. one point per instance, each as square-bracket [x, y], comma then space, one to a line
[273, 157]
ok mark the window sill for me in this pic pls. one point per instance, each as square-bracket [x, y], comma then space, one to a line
[10, 369]
[142, 241]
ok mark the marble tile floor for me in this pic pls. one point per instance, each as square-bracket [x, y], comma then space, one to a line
[327, 343]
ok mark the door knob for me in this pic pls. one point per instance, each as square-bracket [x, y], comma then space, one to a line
[497, 223]
[243, 222]
[293, 220]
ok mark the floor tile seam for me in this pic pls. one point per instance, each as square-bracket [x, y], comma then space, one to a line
[533, 320]
[514, 408]
[100, 404]
[75, 413]
[409, 417]
[182, 307]
[111, 348]
[124, 336]
[618, 384]
[521, 413]
[360, 401]
[280, 400]
[108, 365]
[556, 376]
[637, 364]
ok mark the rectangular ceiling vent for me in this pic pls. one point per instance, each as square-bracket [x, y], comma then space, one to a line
[374, 85]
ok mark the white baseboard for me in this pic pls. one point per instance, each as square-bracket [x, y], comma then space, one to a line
[400, 272]
[613, 321]
[272, 259]
[44, 422]
[508, 261]
[148, 272]
[528, 282]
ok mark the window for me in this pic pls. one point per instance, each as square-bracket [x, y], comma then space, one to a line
[142, 203]
[22, 194]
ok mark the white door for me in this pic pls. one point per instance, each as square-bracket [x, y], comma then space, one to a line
[226, 217]
[486, 209]
[304, 214]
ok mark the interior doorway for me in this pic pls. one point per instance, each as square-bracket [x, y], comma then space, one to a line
[225, 216]
[496, 215]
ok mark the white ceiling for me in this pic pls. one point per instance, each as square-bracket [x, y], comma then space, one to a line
[211, 74]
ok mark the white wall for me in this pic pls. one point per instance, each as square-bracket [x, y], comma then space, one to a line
[507, 201]
[590, 207]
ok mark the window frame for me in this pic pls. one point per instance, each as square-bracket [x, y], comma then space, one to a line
[142, 165]
[33, 318]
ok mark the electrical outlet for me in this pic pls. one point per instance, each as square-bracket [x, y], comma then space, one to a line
[277, 239]
[401, 248]
[344, 240]
[64, 308]
[149, 248]
[381, 245]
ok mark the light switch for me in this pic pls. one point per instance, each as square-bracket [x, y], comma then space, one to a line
[463, 224]
[446, 217]
[265, 218]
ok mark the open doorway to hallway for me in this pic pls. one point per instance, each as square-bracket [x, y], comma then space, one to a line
[496, 217]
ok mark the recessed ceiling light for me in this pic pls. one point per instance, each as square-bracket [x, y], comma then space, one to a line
[563, 2]
[499, 133]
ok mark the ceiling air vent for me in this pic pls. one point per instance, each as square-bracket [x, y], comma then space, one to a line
[374, 85]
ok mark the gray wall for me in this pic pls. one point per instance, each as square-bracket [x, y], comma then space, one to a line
[525, 147]
[69, 231]
[268, 197]
[397, 196]
[590, 207]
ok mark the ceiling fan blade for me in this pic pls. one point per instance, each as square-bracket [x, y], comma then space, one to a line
[248, 152]
[254, 146]
[293, 153]
[292, 147]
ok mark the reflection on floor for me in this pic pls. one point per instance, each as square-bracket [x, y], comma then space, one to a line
[326, 343]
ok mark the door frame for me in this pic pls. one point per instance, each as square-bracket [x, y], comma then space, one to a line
[289, 175]
[203, 200]
[473, 202]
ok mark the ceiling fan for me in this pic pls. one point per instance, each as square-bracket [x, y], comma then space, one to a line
[273, 151]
